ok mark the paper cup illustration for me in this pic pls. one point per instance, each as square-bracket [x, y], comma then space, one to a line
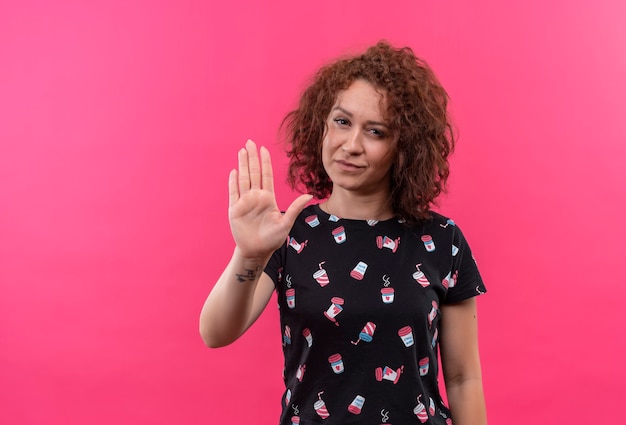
[428, 243]
[312, 220]
[455, 250]
[334, 309]
[320, 407]
[420, 410]
[434, 340]
[300, 372]
[290, 294]
[431, 407]
[321, 276]
[292, 242]
[387, 242]
[333, 218]
[307, 335]
[406, 334]
[288, 396]
[287, 336]
[339, 234]
[388, 374]
[433, 313]
[372, 222]
[295, 420]
[420, 277]
[367, 333]
[359, 270]
[387, 295]
[336, 363]
[357, 405]
[423, 364]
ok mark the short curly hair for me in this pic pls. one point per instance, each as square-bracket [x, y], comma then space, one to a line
[418, 117]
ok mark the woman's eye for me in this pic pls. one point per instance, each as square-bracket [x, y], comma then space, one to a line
[341, 121]
[376, 132]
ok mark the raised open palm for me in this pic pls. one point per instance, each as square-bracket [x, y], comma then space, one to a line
[256, 222]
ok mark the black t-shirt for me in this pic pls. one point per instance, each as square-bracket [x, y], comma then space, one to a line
[360, 310]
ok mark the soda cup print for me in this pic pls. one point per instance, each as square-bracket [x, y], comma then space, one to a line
[420, 410]
[423, 364]
[339, 234]
[448, 421]
[336, 363]
[357, 405]
[372, 223]
[321, 276]
[288, 396]
[320, 407]
[420, 277]
[406, 333]
[290, 294]
[287, 336]
[296, 245]
[455, 250]
[307, 335]
[431, 407]
[334, 309]
[312, 220]
[428, 243]
[387, 295]
[359, 271]
[367, 333]
[295, 420]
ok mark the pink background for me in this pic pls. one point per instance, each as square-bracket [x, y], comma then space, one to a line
[119, 122]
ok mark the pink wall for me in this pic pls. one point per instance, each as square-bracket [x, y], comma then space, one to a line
[119, 121]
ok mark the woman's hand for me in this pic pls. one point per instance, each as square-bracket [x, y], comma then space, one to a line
[257, 225]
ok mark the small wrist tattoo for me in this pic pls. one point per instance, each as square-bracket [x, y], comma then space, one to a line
[249, 276]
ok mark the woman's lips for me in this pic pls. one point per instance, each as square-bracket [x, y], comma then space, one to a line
[348, 166]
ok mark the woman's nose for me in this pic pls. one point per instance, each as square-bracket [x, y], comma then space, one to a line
[353, 143]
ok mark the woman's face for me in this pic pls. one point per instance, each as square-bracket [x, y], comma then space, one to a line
[359, 147]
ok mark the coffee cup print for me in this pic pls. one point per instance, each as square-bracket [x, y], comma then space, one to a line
[367, 333]
[312, 220]
[296, 245]
[295, 420]
[336, 363]
[307, 335]
[388, 374]
[423, 365]
[406, 334]
[455, 250]
[320, 407]
[357, 405]
[334, 309]
[300, 372]
[387, 295]
[450, 280]
[434, 340]
[290, 294]
[387, 242]
[420, 410]
[431, 406]
[428, 243]
[288, 396]
[420, 277]
[339, 234]
[359, 271]
[433, 313]
[321, 276]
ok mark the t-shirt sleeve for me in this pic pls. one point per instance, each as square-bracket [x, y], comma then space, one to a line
[464, 273]
[274, 267]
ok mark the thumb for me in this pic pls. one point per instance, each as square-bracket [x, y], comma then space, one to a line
[295, 208]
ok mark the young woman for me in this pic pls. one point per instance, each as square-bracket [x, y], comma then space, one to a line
[371, 283]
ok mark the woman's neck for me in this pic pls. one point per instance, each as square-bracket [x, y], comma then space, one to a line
[348, 206]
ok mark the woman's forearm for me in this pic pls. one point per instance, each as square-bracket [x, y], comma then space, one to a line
[467, 402]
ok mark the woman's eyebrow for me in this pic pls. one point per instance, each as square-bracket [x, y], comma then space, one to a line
[349, 114]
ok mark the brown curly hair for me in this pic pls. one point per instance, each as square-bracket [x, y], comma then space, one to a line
[417, 113]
